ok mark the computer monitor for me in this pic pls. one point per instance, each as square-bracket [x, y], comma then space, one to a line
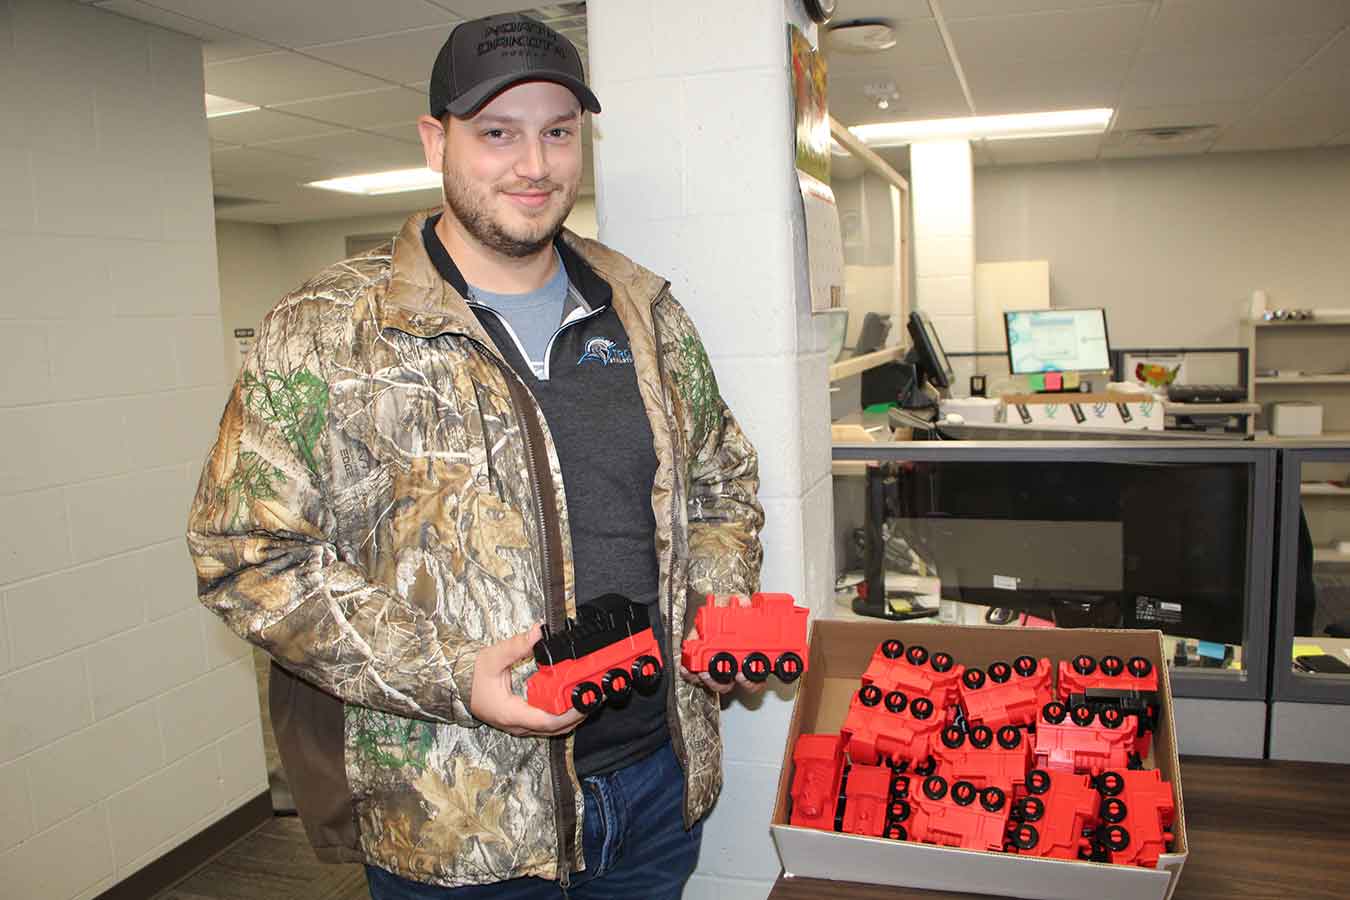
[1057, 340]
[927, 354]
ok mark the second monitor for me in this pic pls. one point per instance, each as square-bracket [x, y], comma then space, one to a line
[1057, 340]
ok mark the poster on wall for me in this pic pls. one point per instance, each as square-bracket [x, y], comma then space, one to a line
[820, 212]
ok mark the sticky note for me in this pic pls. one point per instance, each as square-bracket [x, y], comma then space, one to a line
[1308, 650]
[1211, 649]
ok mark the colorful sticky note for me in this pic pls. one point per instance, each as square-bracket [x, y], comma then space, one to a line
[1211, 650]
[1308, 650]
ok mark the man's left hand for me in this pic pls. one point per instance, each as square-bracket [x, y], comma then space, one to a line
[703, 678]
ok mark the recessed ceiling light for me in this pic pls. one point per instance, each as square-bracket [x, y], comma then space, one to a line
[224, 106]
[994, 128]
[374, 184]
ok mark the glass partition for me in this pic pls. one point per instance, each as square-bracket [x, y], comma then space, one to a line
[1313, 625]
[1176, 538]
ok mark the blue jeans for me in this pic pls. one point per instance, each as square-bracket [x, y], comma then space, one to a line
[633, 839]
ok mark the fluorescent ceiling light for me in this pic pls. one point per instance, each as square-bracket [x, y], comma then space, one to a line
[993, 128]
[376, 183]
[224, 106]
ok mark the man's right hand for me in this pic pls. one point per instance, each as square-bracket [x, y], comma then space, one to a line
[494, 703]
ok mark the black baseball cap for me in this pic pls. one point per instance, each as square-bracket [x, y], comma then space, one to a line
[486, 56]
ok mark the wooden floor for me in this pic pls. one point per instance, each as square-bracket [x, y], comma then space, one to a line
[273, 863]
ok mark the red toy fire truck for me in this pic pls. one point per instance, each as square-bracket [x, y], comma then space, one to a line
[1006, 694]
[1056, 818]
[818, 763]
[1079, 740]
[1137, 813]
[768, 636]
[890, 727]
[1130, 686]
[915, 673]
[984, 757]
[959, 814]
[601, 656]
[867, 799]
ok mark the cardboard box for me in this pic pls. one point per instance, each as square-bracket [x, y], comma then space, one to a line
[841, 650]
[1131, 412]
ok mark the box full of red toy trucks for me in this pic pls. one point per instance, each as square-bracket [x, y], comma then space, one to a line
[1036, 763]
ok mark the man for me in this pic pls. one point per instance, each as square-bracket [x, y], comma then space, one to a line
[435, 447]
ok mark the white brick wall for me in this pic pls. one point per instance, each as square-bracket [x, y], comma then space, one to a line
[694, 179]
[127, 718]
[944, 239]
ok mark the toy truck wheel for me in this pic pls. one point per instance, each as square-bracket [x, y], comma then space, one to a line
[896, 702]
[1112, 717]
[993, 799]
[617, 685]
[722, 668]
[756, 667]
[952, 738]
[1110, 784]
[1025, 666]
[981, 737]
[927, 767]
[1139, 667]
[1031, 809]
[1000, 672]
[788, 667]
[646, 671]
[1116, 838]
[900, 788]
[1009, 738]
[897, 833]
[1054, 712]
[587, 697]
[1082, 715]
[973, 679]
[869, 695]
[899, 811]
[1084, 664]
[1038, 782]
[922, 708]
[935, 787]
[917, 655]
[1113, 811]
[1024, 837]
[963, 793]
[892, 648]
[1112, 665]
[943, 662]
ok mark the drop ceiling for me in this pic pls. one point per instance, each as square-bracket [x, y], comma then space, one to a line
[340, 85]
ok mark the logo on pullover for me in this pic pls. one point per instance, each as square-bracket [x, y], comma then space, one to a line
[604, 351]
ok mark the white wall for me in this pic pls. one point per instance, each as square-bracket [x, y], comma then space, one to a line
[128, 716]
[1173, 247]
[694, 179]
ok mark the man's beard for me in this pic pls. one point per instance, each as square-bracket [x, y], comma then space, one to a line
[471, 205]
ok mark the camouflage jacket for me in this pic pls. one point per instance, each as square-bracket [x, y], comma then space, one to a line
[384, 500]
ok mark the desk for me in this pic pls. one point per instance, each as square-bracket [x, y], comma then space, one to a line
[1258, 831]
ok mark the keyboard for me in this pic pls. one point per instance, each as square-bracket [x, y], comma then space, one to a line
[1206, 393]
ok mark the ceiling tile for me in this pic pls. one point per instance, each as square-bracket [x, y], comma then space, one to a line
[895, 10]
[1327, 70]
[1147, 151]
[291, 24]
[1029, 151]
[1178, 114]
[929, 92]
[144, 12]
[963, 9]
[370, 109]
[264, 125]
[1030, 87]
[241, 164]
[1103, 31]
[1242, 71]
[238, 48]
[281, 78]
[1211, 24]
[1279, 134]
[353, 151]
[917, 43]
[403, 57]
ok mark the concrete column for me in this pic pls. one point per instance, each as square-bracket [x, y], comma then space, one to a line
[694, 179]
[941, 178]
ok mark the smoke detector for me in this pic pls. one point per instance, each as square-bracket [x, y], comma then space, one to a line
[861, 36]
[882, 93]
